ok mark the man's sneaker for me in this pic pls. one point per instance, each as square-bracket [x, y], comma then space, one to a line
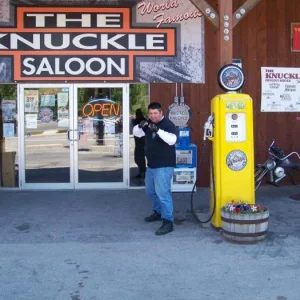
[154, 217]
[166, 227]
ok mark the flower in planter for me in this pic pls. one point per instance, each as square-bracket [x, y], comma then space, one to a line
[243, 222]
[240, 207]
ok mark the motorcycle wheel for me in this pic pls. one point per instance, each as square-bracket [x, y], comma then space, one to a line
[259, 174]
[293, 175]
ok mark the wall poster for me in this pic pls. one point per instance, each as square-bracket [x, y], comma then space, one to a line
[149, 41]
[31, 121]
[62, 99]
[8, 130]
[46, 115]
[47, 100]
[9, 110]
[280, 89]
[31, 100]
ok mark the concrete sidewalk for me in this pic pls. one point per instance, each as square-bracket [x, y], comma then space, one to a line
[94, 245]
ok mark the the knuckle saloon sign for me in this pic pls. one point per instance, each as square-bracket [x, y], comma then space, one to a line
[143, 43]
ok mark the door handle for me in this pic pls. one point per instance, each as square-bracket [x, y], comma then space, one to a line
[78, 135]
[68, 135]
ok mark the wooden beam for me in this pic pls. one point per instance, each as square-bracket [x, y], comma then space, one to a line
[225, 32]
[207, 11]
[244, 10]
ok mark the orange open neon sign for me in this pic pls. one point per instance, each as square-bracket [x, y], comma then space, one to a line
[99, 109]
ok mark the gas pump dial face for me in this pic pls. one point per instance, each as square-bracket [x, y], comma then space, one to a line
[231, 78]
[234, 116]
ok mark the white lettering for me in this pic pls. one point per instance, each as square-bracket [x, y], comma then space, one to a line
[103, 22]
[57, 67]
[112, 41]
[121, 69]
[35, 44]
[84, 41]
[44, 67]
[77, 41]
[151, 41]
[132, 42]
[74, 66]
[73, 72]
[27, 64]
[65, 42]
[85, 20]
[99, 71]
[40, 19]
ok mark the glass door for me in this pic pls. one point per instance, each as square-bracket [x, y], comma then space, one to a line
[47, 146]
[101, 124]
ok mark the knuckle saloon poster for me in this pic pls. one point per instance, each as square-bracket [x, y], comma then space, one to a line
[280, 90]
[143, 41]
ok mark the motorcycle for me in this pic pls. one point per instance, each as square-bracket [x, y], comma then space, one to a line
[276, 167]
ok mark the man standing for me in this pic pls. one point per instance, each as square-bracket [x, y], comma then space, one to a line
[160, 139]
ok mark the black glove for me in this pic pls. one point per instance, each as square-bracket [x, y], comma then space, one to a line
[153, 127]
[143, 123]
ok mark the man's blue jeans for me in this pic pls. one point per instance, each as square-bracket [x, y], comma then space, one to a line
[158, 189]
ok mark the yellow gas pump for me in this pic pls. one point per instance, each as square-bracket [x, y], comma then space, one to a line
[230, 128]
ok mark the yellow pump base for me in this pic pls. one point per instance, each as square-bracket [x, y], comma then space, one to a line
[233, 152]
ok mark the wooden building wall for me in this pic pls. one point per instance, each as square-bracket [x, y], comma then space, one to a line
[261, 39]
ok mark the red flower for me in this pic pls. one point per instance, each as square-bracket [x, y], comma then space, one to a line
[237, 210]
[261, 207]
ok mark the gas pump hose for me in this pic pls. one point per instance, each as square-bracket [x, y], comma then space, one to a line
[213, 184]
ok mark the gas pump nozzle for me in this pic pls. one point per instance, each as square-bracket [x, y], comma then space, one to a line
[208, 128]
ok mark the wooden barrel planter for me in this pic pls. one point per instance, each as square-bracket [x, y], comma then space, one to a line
[245, 228]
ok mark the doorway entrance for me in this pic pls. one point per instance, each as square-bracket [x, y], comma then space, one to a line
[74, 136]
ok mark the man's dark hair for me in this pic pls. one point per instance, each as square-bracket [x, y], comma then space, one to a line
[154, 105]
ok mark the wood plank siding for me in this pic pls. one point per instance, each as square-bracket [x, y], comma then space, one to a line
[261, 39]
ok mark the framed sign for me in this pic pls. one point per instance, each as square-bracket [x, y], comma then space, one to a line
[152, 41]
[280, 89]
[295, 37]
